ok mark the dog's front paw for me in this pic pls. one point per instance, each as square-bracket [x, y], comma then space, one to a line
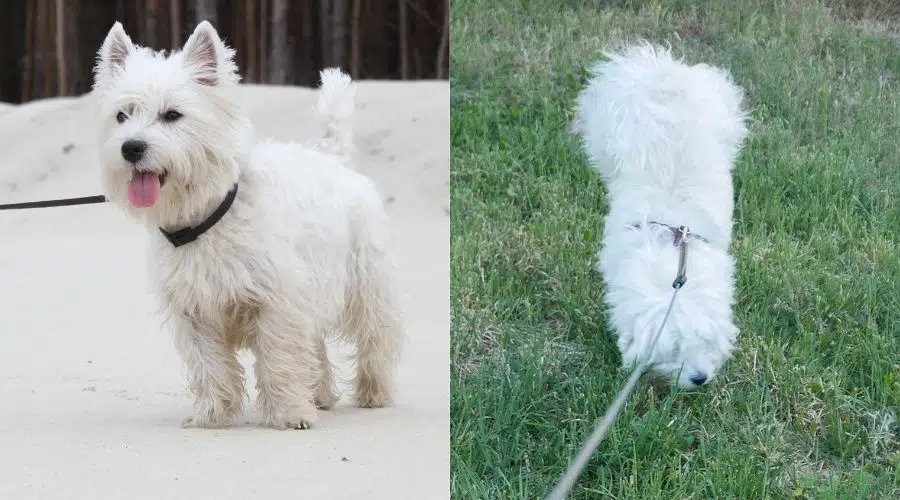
[326, 398]
[212, 414]
[299, 424]
[205, 422]
[374, 398]
[298, 419]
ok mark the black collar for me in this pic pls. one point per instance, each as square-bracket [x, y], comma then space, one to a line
[188, 234]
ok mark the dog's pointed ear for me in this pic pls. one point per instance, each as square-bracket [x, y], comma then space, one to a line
[209, 60]
[112, 55]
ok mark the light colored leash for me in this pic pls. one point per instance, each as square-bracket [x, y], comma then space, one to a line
[570, 477]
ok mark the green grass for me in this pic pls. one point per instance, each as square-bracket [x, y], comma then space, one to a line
[808, 406]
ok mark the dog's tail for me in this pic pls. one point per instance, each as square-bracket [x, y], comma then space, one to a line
[645, 112]
[337, 102]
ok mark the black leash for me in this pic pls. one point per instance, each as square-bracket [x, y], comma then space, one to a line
[177, 238]
[84, 200]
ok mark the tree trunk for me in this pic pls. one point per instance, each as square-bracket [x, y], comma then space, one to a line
[28, 72]
[338, 32]
[445, 41]
[278, 60]
[264, 43]
[251, 45]
[62, 72]
[307, 48]
[325, 34]
[354, 40]
[151, 23]
[205, 11]
[44, 28]
[75, 75]
[175, 39]
[404, 45]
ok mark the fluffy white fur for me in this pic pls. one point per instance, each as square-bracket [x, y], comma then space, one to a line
[302, 252]
[664, 135]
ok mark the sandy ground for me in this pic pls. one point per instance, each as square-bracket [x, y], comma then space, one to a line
[91, 390]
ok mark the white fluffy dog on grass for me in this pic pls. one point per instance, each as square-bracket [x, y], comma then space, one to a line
[256, 245]
[664, 136]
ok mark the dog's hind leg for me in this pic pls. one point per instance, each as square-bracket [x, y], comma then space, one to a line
[287, 368]
[326, 393]
[372, 321]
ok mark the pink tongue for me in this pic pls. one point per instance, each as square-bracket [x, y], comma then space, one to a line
[143, 190]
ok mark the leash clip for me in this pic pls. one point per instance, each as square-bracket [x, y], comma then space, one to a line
[681, 236]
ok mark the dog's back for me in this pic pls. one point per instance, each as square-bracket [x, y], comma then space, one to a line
[646, 115]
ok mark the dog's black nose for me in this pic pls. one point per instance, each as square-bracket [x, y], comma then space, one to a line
[698, 379]
[133, 150]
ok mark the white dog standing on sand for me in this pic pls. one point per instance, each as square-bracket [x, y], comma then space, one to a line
[256, 245]
[664, 137]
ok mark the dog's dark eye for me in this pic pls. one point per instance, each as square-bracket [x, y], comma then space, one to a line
[121, 117]
[171, 115]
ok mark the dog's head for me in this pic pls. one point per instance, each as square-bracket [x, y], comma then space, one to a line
[694, 361]
[173, 135]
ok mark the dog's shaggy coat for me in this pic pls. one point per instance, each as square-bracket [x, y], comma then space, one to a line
[664, 135]
[302, 252]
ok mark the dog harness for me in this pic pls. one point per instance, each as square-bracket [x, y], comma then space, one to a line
[680, 235]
